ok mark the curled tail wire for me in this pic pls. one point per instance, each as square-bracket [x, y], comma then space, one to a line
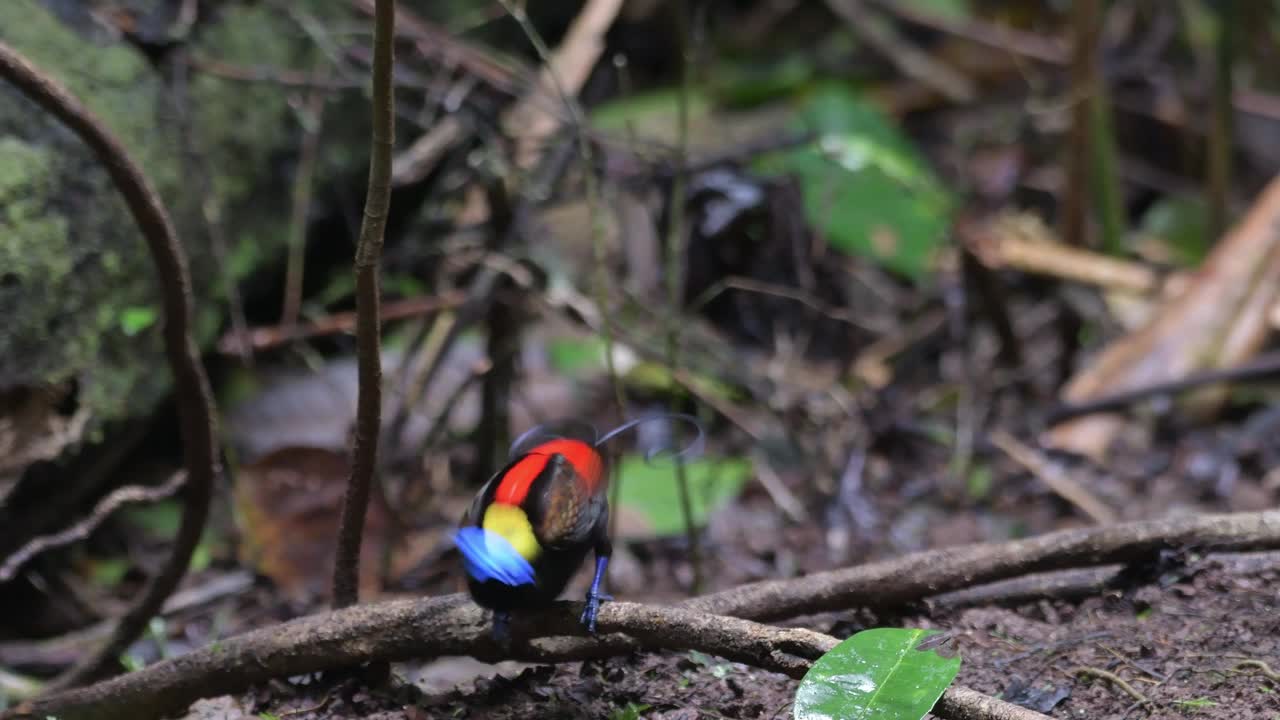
[539, 434]
[693, 450]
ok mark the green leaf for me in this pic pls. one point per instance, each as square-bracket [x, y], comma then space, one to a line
[1200, 703]
[950, 9]
[875, 674]
[651, 490]
[631, 712]
[108, 572]
[1181, 223]
[134, 320]
[979, 482]
[653, 115]
[131, 662]
[865, 186]
[202, 556]
[570, 355]
[751, 82]
[160, 519]
[656, 377]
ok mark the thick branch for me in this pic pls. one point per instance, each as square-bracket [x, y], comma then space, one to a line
[346, 570]
[452, 625]
[194, 398]
[933, 572]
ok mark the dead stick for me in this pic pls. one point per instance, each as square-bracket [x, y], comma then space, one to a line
[368, 324]
[194, 397]
[1263, 367]
[80, 530]
[1052, 474]
[933, 572]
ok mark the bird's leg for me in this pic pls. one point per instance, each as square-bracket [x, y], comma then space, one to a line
[502, 628]
[604, 549]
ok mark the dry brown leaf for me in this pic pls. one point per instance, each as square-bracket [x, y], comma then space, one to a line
[32, 428]
[1219, 321]
[529, 121]
[287, 504]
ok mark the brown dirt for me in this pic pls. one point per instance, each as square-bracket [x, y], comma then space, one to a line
[1178, 639]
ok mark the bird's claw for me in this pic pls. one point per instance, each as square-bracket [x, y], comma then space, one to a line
[592, 609]
[502, 629]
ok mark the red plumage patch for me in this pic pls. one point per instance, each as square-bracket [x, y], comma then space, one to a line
[515, 485]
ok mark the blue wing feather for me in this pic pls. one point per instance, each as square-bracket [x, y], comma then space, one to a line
[489, 556]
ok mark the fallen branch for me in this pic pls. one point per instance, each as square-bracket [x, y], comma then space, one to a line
[451, 625]
[194, 397]
[933, 572]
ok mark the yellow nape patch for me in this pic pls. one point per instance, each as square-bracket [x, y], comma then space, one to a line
[511, 523]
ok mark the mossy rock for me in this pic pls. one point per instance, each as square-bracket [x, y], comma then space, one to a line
[77, 289]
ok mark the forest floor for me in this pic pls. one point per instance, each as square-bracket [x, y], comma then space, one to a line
[1190, 635]
[1199, 639]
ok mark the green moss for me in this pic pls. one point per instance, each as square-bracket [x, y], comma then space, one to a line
[74, 272]
[111, 80]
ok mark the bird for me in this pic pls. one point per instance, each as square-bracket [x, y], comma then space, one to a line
[531, 526]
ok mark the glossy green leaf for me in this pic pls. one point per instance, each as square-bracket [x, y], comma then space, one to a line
[875, 675]
[650, 489]
[865, 186]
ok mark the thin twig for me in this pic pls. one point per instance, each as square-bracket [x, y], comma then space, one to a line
[961, 703]
[1114, 679]
[584, 42]
[266, 338]
[311, 117]
[368, 327]
[1222, 119]
[1084, 57]
[1050, 474]
[81, 529]
[981, 32]
[194, 397]
[1263, 668]
[674, 267]
[909, 60]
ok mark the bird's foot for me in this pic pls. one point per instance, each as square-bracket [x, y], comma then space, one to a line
[502, 628]
[592, 609]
